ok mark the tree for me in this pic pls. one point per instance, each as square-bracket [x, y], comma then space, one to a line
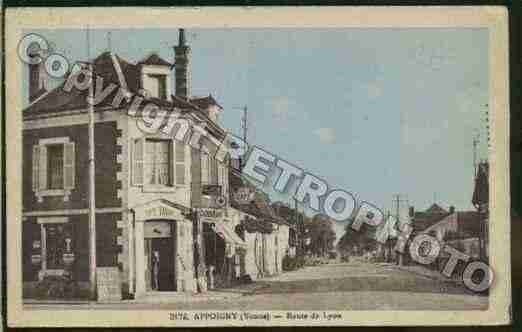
[319, 229]
[356, 242]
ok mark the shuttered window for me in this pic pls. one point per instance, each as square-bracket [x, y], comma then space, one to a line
[205, 167]
[213, 171]
[180, 163]
[36, 167]
[53, 167]
[222, 177]
[137, 162]
[158, 162]
[68, 165]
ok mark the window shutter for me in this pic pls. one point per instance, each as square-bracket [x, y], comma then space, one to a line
[42, 168]
[205, 161]
[213, 171]
[137, 162]
[68, 165]
[180, 163]
[36, 167]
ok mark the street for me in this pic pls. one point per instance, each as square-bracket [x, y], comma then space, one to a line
[341, 286]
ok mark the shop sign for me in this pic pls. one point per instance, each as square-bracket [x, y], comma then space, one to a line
[211, 190]
[210, 214]
[244, 195]
[159, 212]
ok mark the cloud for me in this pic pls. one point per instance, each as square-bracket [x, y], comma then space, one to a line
[325, 135]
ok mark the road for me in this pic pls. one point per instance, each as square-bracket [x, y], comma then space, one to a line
[342, 286]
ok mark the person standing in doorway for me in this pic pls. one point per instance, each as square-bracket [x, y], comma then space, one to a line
[155, 270]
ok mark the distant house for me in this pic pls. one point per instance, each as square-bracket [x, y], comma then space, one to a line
[264, 232]
[459, 229]
[421, 220]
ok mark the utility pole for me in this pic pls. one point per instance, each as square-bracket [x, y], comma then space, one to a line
[397, 202]
[244, 128]
[244, 123]
[299, 234]
[92, 196]
[475, 147]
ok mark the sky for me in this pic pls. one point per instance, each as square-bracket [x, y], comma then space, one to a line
[373, 111]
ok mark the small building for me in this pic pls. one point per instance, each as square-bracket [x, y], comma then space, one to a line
[460, 229]
[265, 233]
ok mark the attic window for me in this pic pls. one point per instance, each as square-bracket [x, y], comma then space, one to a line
[157, 85]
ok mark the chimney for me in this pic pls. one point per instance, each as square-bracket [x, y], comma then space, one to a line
[182, 65]
[452, 209]
[37, 79]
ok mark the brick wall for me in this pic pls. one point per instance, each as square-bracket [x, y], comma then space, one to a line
[106, 150]
[106, 244]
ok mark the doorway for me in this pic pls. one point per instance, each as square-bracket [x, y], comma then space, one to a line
[160, 274]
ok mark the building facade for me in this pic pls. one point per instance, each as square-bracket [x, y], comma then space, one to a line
[153, 215]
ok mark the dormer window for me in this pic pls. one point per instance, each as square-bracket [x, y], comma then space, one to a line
[157, 85]
[155, 76]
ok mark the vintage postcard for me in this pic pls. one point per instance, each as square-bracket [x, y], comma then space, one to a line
[280, 166]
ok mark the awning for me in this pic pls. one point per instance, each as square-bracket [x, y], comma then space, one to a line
[228, 234]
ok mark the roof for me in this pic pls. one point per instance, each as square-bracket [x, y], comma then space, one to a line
[435, 208]
[155, 60]
[259, 206]
[423, 220]
[112, 69]
[205, 102]
[462, 224]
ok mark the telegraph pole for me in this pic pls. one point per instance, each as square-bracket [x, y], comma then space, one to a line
[92, 197]
[244, 127]
[475, 147]
[397, 202]
[244, 124]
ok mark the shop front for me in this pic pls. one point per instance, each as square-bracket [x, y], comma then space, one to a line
[163, 250]
[223, 247]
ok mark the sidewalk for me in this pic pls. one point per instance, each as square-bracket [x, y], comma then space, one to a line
[164, 297]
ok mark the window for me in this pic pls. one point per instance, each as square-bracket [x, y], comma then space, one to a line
[157, 162]
[53, 163]
[222, 178]
[55, 166]
[158, 85]
[205, 166]
[57, 243]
